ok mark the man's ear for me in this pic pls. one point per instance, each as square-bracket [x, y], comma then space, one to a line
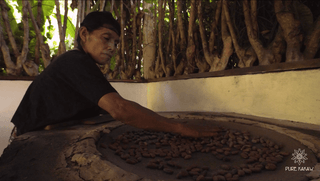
[83, 33]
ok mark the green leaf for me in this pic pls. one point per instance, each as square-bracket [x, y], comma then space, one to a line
[12, 20]
[47, 7]
[70, 27]
[47, 10]
[112, 63]
[32, 45]
[19, 7]
[49, 35]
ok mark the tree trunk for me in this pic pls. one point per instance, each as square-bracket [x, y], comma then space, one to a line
[265, 56]
[37, 48]
[149, 41]
[291, 30]
[214, 27]
[134, 33]
[116, 71]
[172, 35]
[278, 46]
[312, 45]
[45, 51]
[131, 64]
[139, 19]
[10, 66]
[122, 40]
[183, 43]
[23, 56]
[82, 12]
[64, 28]
[4, 12]
[102, 4]
[213, 59]
[88, 6]
[246, 56]
[62, 44]
[160, 34]
[208, 57]
[77, 24]
[221, 63]
[15, 69]
[191, 45]
[158, 71]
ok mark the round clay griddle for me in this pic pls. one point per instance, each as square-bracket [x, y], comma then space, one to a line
[209, 160]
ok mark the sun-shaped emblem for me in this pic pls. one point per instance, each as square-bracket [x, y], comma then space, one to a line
[299, 156]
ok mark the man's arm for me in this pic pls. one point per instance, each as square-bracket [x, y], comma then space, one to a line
[135, 115]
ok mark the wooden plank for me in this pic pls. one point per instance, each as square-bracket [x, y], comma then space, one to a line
[17, 78]
[128, 81]
[279, 67]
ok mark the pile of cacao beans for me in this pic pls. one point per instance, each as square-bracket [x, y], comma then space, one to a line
[163, 149]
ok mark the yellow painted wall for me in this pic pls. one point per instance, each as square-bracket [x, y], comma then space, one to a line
[11, 93]
[136, 92]
[291, 95]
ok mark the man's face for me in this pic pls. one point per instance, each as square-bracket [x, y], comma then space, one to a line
[101, 44]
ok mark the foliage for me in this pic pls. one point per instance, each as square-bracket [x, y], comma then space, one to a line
[70, 27]
[13, 22]
[304, 11]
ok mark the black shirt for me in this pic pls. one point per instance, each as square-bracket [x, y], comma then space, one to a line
[68, 89]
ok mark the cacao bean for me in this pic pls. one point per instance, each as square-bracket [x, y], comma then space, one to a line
[187, 157]
[244, 155]
[247, 171]
[168, 170]
[241, 173]
[181, 174]
[193, 173]
[225, 167]
[196, 169]
[271, 166]
[228, 175]
[132, 161]
[152, 165]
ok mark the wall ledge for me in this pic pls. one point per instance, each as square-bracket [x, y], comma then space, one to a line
[261, 69]
[304, 127]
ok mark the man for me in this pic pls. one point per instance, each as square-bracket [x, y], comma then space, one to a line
[73, 87]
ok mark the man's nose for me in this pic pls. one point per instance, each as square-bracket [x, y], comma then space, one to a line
[111, 46]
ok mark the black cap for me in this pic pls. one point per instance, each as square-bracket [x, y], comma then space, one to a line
[97, 19]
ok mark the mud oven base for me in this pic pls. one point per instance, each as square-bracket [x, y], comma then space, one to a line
[245, 149]
[240, 151]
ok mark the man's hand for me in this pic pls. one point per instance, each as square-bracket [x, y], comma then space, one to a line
[135, 115]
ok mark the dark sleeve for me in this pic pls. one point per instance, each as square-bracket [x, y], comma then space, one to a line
[81, 73]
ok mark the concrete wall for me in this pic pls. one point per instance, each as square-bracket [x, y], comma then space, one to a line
[11, 93]
[290, 95]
